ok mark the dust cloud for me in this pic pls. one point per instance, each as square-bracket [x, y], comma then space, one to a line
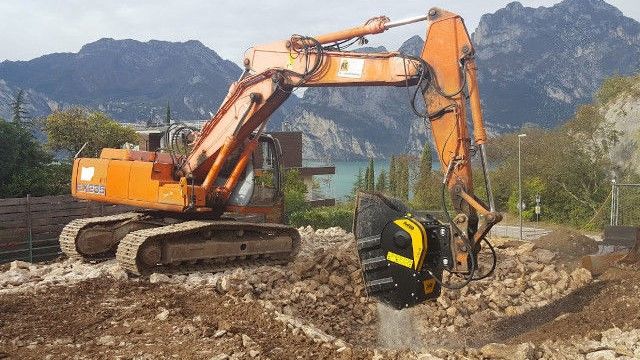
[396, 328]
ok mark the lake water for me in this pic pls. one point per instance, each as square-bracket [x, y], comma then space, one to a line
[339, 186]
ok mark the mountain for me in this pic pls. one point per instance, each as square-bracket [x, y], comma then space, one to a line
[129, 79]
[36, 104]
[537, 65]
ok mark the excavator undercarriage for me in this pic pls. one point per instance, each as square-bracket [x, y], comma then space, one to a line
[144, 242]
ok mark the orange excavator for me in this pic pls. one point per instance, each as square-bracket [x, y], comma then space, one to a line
[220, 204]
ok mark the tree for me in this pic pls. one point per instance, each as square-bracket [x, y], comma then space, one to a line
[20, 114]
[402, 179]
[18, 151]
[427, 187]
[26, 167]
[68, 130]
[367, 178]
[167, 118]
[359, 182]
[426, 161]
[381, 184]
[568, 166]
[372, 176]
[392, 176]
[295, 193]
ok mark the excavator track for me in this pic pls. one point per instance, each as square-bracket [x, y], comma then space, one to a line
[204, 235]
[70, 234]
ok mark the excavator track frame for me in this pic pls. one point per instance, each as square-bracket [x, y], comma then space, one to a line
[131, 248]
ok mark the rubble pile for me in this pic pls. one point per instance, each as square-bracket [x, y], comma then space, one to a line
[525, 278]
[606, 345]
[323, 286]
[24, 276]
[610, 344]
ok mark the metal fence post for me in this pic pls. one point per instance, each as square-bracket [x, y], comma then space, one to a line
[29, 228]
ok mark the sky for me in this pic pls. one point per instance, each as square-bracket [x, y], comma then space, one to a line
[31, 28]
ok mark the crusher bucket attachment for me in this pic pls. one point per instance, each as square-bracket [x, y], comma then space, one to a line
[401, 256]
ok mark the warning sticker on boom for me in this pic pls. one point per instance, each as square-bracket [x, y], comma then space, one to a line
[351, 68]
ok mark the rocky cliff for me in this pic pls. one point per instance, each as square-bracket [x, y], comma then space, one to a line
[537, 65]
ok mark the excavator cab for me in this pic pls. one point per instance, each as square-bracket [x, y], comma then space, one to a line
[260, 190]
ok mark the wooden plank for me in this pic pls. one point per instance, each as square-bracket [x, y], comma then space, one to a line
[10, 209]
[53, 199]
[10, 246]
[19, 224]
[24, 246]
[36, 258]
[7, 225]
[43, 208]
[13, 201]
[11, 236]
[54, 234]
[6, 218]
[79, 211]
[37, 200]
[57, 228]
[36, 230]
[46, 243]
[19, 244]
[61, 213]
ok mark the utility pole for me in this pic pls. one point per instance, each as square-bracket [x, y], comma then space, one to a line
[520, 136]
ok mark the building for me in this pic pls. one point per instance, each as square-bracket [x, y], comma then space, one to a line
[291, 144]
[150, 139]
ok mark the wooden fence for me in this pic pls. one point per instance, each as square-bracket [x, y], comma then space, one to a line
[30, 226]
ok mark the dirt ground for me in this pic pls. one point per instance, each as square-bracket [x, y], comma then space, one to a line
[314, 308]
[47, 322]
[569, 245]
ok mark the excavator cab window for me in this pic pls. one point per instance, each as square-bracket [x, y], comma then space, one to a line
[268, 172]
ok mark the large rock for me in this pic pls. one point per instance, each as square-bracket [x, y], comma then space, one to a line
[17, 264]
[601, 355]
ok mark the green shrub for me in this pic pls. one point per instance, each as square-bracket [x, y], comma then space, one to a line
[323, 217]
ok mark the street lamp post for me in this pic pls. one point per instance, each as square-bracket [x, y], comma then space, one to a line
[520, 136]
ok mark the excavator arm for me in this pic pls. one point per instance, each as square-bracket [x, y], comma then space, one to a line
[445, 75]
[392, 255]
